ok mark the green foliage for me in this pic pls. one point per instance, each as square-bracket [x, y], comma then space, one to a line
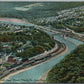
[6, 64]
[4, 28]
[4, 39]
[76, 24]
[32, 41]
[31, 52]
[15, 46]
[80, 80]
[7, 9]
[1, 48]
[58, 25]
[70, 69]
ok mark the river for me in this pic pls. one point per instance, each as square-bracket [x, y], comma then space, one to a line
[31, 75]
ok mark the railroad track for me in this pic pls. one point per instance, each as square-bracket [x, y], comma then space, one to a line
[59, 47]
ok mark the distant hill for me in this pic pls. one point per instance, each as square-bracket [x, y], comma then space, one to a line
[70, 69]
[31, 10]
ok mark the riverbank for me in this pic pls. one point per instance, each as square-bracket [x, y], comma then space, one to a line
[17, 72]
[64, 71]
[42, 78]
[24, 70]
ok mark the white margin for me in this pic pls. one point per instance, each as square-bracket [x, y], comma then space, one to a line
[43, 0]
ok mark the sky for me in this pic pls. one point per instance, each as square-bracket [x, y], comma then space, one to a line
[43, 0]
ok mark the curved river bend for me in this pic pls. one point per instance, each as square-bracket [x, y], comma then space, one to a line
[31, 75]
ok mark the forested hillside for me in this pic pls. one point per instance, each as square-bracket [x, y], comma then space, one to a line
[31, 10]
[70, 69]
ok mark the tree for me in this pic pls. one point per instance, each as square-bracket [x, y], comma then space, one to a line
[80, 80]
[4, 39]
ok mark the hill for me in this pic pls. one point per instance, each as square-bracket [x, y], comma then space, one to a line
[70, 69]
[33, 10]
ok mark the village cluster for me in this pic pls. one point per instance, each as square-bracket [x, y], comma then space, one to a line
[25, 43]
[7, 56]
[64, 15]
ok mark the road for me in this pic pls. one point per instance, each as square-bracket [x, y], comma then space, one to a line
[31, 75]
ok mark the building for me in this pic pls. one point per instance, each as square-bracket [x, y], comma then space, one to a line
[19, 50]
[24, 60]
[11, 59]
[0, 60]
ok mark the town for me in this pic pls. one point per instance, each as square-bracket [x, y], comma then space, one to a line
[42, 42]
[70, 19]
[18, 45]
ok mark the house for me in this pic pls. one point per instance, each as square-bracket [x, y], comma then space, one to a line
[28, 33]
[19, 50]
[11, 59]
[20, 43]
[18, 59]
[0, 60]
[24, 60]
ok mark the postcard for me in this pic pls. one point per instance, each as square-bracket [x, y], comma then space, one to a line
[41, 41]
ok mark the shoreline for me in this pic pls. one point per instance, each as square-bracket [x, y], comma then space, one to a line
[44, 75]
[17, 72]
[23, 21]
